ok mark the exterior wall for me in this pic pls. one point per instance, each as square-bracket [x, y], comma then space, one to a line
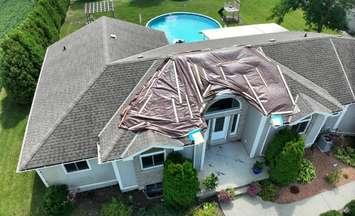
[330, 122]
[198, 152]
[313, 129]
[347, 123]
[125, 173]
[100, 175]
[253, 119]
[150, 176]
[187, 152]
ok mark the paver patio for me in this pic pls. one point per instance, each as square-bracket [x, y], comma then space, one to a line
[313, 206]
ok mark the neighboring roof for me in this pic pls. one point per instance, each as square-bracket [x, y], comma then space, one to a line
[80, 93]
[244, 30]
[61, 126]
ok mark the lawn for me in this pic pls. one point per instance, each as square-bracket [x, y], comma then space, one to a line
[252, 11]
[12, 12]
[18, 192]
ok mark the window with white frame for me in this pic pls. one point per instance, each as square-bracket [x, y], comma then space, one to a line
[152, 160]
[76, 166]
[302, 126]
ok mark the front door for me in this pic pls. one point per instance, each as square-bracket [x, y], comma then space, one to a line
[219, 130]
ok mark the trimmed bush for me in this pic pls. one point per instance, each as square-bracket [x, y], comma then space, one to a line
[334, 176]
[346, 155]
[349, 209]
[269, 191]
[180, 183]
[284, 156]
[210, 182]
[208, 209]
[331, 213]
[116, 208]
[22, 50]
[56, 201]
[253, 189]
[225, 196]
[307, 172]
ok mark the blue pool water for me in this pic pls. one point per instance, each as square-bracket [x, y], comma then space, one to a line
[183, 26]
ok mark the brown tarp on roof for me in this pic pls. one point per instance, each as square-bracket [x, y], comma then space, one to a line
[173, 101]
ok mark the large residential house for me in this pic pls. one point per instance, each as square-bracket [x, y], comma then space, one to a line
[91, 78]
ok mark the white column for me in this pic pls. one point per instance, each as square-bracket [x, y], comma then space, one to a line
[117, 174]
[258, 135]
[340, 118]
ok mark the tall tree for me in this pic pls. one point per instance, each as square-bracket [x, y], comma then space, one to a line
[317, 13]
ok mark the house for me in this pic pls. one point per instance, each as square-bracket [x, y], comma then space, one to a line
[77, 133]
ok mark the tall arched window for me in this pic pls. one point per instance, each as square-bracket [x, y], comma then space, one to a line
[224, 104]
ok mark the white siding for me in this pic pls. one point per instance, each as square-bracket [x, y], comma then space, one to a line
[250, 128]
[100, 175]
[347, 124]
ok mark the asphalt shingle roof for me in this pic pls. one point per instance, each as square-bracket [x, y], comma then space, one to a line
[81, 89]
[63, 108]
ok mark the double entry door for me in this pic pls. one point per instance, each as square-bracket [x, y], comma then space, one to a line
[220, 128]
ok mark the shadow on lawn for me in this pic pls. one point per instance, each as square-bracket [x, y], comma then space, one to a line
[12, 113]
[145, 3]
[37, 196]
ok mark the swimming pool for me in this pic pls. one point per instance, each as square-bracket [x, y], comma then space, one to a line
[183, 26]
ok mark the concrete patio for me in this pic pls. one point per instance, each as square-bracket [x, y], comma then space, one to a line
[231, 163]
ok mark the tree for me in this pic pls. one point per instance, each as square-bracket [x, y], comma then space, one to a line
[180, 183]
[284, 156]
[317, 13]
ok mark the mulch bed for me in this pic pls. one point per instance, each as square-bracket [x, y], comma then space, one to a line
[324, 164]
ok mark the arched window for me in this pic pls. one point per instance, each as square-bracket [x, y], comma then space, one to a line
[224, 104]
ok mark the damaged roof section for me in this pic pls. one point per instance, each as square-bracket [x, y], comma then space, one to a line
[172, 102]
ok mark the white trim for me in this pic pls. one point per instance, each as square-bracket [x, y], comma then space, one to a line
[319, 129]
[258, 135]
[42, 177]
[177, 82]
[194, 82]
[109, 182]
[261, 77]
[194, 162]
[153, 146]
[175, 112]
[256, 96]
[203, 154]
[342, 68]
[340, 118]
[264, 143]
[118, 177]
[284, 82]
[308, 120]
[78, 171]
[236, 124]
[152, 154]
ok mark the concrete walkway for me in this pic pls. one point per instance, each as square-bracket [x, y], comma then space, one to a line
[313, 206]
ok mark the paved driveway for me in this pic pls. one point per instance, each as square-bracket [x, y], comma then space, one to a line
[335, 199]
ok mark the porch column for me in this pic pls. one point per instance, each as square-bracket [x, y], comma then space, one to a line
[259, 132]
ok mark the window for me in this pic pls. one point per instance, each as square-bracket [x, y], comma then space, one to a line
[235, 122]
[302, 127]
[152, 160]
[219, 125]
[76, 166]
[224, 104]
[154, 190]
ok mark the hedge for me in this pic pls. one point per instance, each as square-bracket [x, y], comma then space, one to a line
[22, 50]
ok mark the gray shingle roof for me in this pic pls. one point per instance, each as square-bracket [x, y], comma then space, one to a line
[64, 114]
[85, 91]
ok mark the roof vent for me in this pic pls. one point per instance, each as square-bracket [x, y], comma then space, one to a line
[248, 46]
[140, 56]
[305, 34]
[113, 36]
[272, 40]
[64, 48]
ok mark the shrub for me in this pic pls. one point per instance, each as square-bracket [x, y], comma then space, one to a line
[285, 161]
[56, 201]
[307, 172]
[253, 189]
[269, 191]
[210, 182]
[349, 209]
[208, 209]
[334, 176]
[180, 183]
[224, 196]
[346, 155]
[331, 213]
[115, 208]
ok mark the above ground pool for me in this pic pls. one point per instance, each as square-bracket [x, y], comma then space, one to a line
[183, 26]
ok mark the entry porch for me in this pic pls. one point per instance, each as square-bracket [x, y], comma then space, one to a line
[231, 163]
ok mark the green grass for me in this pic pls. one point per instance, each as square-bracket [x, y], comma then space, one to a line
[18, 192]
[252, 12]
[12, 12]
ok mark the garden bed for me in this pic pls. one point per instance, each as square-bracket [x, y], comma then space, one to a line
[324, 164]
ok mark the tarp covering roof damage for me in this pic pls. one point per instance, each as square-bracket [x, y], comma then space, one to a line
[174, 99]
